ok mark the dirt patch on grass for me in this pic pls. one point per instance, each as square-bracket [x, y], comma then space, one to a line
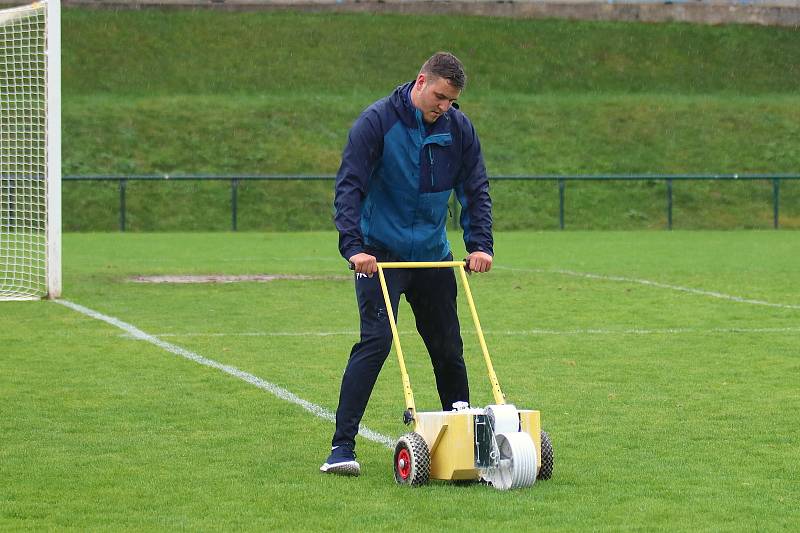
[222, 278]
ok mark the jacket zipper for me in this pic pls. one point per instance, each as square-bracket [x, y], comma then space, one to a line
[430, 156]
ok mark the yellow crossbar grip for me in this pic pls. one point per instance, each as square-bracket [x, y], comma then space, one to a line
[422, 264]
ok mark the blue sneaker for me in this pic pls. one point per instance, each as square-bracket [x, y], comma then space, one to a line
[341, 461]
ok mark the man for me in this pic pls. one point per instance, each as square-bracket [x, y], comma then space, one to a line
[404, 156]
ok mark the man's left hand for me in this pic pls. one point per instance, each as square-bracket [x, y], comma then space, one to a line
[479, 262]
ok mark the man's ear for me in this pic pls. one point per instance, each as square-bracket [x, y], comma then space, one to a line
[420, 81]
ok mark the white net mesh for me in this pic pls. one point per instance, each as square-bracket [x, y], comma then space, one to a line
[23, 153]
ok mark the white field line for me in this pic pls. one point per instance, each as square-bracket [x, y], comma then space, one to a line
[509, 333]
[651, 283]
[276, 390]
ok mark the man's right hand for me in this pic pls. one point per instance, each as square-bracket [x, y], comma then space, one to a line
[364, 264]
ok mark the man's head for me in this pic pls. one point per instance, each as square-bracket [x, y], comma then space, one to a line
[439, 84]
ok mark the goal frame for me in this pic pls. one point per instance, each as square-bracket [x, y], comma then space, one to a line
[53, 84]
[47, 283]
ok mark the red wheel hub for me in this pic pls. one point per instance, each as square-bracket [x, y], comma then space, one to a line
[403, 464]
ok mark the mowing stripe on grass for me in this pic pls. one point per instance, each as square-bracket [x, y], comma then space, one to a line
[276, 390]
[261, 334]
[650, 283]
[510, 333]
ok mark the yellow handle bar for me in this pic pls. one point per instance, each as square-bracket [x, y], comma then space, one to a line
[422, 264]
[499, 398]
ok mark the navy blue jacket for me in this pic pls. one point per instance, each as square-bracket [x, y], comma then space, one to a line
[396, 177]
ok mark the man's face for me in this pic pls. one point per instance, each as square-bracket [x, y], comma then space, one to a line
[433, 97]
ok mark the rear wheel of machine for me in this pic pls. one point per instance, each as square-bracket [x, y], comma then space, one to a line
[412, 460]
[546, 472]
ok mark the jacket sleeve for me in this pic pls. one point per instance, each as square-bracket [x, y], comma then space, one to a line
[363, 149]
[473, 195]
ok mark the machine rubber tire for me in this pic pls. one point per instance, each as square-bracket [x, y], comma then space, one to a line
[546, 471]
[412, 460]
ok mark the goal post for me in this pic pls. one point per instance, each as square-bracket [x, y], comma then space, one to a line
[53, 30]
[30, 151]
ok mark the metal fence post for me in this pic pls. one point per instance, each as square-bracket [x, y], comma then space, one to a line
[234, 202]
[561, 187]
[123, 184]
[669, 204]
[776, 196]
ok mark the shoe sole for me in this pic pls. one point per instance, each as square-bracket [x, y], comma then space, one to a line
[350, 468]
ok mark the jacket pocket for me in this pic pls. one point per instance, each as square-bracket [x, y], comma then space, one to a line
[437, 172]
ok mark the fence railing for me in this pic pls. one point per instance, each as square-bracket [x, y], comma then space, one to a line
[668, 179]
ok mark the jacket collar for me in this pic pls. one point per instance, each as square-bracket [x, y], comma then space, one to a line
[401, 100]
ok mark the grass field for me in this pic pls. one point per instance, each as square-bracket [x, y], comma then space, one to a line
[665, 366]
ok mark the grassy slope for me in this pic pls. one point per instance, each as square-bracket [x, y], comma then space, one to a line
[210, 92]
[541, 134]
[689, 427]
[212, 52]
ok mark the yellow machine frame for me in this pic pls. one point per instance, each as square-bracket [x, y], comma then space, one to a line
[450, 435]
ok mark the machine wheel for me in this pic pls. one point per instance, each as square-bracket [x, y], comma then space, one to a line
[516, 462]
[546, 471]
[412, 460]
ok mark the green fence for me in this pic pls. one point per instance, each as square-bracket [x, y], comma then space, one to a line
[560, 180]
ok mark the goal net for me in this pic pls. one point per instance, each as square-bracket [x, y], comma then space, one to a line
[30, 152]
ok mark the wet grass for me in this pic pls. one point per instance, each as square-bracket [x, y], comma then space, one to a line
[668, 409]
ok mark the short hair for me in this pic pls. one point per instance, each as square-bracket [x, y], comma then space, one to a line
[446, 65]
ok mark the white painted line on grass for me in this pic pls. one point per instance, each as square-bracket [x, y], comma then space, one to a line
[276, 390]
[509, 333]
[651, 283]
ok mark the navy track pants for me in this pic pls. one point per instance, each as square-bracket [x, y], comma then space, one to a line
[431, 293]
